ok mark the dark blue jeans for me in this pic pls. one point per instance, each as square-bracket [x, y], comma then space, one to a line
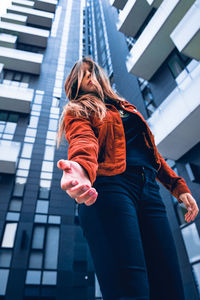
[130, 239]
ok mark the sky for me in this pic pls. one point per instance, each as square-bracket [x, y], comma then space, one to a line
[3, 5]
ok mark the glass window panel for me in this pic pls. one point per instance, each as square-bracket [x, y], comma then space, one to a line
[55, 102]
[45, 175]
[40, 219]
[35, 113]
[192, 242]
[45, 183]
[55, 110]
[38, 237]
[36, 107]
[54, 116]
[11, 216]
[7, 136]
[38, 99]
[26, 78]
[24, 163]
[23, 173]
[49, 153]
[2, 126]
[30, 132]
[27, 150]
[47, 166]
[42, 206]
[3, 280]
[40, 92]
[10, 128]
[9, 235]
[52, 245]
[3, 116]
[29, 139]
[51, 135]
[15, 205]
[97, 288]
[50, 142]
[49, 277]
[33, 277]
[5, 258]
[44, 193]
[53, 124]
[196, 270]
[35, 260]
[17, 76]
[54, 219]
[33, 122]
[19, 186]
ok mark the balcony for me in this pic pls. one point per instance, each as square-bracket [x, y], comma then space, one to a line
[46, 5]
[23, 3]
[23, 61]
[132, 16]
[9, 152]
[15, 99]
[186, 35]
[8, 40]
[35, 16]
[154, 44]
[175, 124]
[26, 34]
[14, 18]
[118, 3]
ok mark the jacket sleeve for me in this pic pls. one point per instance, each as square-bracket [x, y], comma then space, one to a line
[83, 144]
[170, 180]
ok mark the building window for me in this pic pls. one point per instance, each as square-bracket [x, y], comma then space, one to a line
[8, 124]
[44, 255]
[148, 100]
[177, 62]
[196, 272]
[15, 78]
[130, 42]
[3, 281]
[9, 235]
[193, 171]
[192, 241]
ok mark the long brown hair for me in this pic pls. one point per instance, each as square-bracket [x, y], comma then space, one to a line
[82, 103]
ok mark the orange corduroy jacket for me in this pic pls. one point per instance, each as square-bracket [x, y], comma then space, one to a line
[100, 147]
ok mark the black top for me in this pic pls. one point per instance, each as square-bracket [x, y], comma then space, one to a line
[137, 153]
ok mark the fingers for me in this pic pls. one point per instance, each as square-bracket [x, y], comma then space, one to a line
[83, 194]
[68, 185]
[192, 207]
[64, 164]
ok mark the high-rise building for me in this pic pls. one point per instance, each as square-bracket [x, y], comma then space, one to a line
[149, 50]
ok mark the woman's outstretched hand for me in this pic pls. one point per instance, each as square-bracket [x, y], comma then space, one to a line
[76, 182]
[191, 206]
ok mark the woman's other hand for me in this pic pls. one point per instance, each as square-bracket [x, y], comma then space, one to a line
[191, 206]
[76, 182]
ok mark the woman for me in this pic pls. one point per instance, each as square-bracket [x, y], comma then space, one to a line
[122, 216]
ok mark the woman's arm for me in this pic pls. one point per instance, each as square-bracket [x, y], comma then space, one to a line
[83, 144]
[171, 181]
